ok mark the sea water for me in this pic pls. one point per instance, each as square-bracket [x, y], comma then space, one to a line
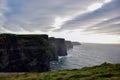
[86, 55]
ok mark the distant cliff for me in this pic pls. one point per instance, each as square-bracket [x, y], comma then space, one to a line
[69, 45]
[62, 49]
[57, 48]
[53, 49]
[76, 43]
[24, 53]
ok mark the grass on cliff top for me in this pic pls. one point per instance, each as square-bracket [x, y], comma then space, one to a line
[103, 72]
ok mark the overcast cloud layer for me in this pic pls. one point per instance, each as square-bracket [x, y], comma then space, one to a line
[40, 15]
[105, 19]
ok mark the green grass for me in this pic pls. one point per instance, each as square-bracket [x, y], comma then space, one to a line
[103, 72]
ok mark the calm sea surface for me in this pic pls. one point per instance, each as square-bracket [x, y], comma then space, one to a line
[88, 55]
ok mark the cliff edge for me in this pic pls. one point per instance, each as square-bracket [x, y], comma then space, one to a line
[24, 53]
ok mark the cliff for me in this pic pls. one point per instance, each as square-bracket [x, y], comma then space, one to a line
[69, 45]
[76, 43]
[53, 49]
[62, 49]
[101, 72]
[24, 53]
[57, 48]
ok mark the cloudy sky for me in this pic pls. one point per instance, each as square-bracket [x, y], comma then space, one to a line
[96, 21]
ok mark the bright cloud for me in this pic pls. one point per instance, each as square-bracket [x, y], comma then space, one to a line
[107, 1]
[58, 21]
[94, 6]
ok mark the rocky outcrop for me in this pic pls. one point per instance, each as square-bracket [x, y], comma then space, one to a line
[69, 45]
[24, 53]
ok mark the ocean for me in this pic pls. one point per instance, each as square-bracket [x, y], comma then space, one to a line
[87, 55]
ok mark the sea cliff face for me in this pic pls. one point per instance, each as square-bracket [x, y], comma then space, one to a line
[57, 48]
[69, 45]
[76, 43]
[53, 49]
[62, 49]
[30, 53]
[24, 53]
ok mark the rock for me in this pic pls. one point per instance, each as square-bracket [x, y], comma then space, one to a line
[24, 53]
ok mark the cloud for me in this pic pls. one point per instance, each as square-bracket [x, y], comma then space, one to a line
[45, 15]
[2, 8]
[107, 26]
[69, 18]
[40, 15]
[96, 20]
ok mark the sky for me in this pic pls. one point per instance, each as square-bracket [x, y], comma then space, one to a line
[92, 21]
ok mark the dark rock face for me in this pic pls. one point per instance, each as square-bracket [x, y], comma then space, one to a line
[24, 53]
[53, 49]
[62, 50]
[57, 48]
[69, 45]
[10, 53]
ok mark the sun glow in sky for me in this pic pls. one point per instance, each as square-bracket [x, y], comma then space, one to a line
[88, 37]
[100, 38]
